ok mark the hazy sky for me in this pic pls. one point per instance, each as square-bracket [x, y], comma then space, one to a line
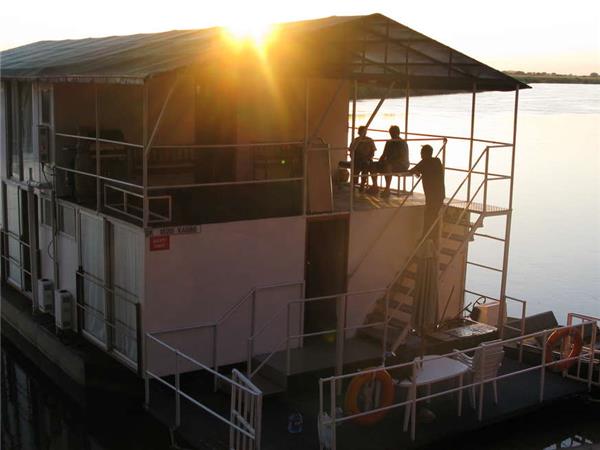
[531, 35]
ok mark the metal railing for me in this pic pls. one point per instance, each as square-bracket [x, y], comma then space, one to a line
[249, 431]
[340, 298]
[250, 296]
[331, 419]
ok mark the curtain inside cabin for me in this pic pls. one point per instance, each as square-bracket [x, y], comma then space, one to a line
[92, 261]
[127, 266]
[13, 232]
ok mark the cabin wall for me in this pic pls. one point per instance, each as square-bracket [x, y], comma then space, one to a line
[202, 275]
[402, 230]
[388, 254]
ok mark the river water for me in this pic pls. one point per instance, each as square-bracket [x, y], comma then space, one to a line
[554, 260]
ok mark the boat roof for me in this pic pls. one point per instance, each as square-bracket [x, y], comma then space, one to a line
[372, 48]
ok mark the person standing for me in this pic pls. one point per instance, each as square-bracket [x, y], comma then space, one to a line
[394, 158]
[432, 174]
[362, 150]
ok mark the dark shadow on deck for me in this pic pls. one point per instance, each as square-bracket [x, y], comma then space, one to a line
[517, 395]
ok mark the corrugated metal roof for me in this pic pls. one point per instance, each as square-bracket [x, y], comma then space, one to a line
[368, 48]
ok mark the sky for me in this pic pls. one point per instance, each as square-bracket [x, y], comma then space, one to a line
[528, 35]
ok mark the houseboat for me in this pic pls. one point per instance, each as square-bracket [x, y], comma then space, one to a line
[181, 201]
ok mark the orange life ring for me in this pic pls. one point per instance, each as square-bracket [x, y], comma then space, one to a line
[558, 336]
[354, 392]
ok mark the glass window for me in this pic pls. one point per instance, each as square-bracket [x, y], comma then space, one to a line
[66, 220]
[45, 106]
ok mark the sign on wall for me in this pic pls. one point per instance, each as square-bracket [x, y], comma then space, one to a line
[158, 243]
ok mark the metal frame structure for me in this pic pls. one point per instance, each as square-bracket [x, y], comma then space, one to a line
[588, 355]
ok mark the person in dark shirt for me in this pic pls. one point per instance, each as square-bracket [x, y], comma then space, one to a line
[362, 150]
[432, 173]
[394, 158]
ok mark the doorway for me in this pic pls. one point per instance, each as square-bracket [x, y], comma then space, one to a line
[326, 269]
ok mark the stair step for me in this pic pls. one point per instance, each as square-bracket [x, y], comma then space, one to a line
[376, 333]
[447, 251]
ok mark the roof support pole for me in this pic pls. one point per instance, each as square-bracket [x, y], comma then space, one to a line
[471, 138]
[381, 100]
[354, 95]
[98, 171]
[502, 309]
[305, 150]
[406, 103]
[150, 140]
[144, 157]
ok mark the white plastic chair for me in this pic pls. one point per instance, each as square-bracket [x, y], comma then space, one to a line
[484, 365]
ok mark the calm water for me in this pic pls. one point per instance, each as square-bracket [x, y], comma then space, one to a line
[555, 243]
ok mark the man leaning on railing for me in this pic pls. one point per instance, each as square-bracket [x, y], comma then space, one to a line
[432, 174]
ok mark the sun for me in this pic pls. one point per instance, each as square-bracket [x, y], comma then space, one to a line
[245, 32]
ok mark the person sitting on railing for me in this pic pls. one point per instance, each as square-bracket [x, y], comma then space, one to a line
[362, 149]
[432, 174]
[393, 160]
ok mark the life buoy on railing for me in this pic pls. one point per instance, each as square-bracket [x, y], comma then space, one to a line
[356, 394]
[555, 338]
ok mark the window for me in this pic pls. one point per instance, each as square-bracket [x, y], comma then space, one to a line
[66, 220]
[47, 212]
[45, 105]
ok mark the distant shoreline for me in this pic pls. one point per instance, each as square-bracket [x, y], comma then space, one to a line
[544, 77]
[367, 92]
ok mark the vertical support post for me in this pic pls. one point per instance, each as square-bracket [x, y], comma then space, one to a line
[216, 354]
[145, 138]
[33, 247]
[485, 180]
[288, 355]
[523, 315]
[471, 139]
[146, 379]
[305, 150]
[592, 348]
[406, 104]
[385, 326]
[98, 170]
[340, 336]
[502, 309]
[177, 392]
[333, 411]
[543, 371]
[355, 94]
[481, 389]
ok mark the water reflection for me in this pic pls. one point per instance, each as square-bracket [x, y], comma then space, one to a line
[36, 415]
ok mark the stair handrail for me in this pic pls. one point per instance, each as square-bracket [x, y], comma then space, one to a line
[442, 150]
[440, 216]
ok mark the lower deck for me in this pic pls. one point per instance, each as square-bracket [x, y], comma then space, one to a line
[518, 396]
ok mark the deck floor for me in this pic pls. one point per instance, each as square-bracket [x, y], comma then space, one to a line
[517, 395]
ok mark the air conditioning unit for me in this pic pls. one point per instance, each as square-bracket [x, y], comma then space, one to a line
[63, 309]
[45, 295]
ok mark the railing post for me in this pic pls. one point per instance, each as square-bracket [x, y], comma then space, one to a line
[333, 413]
[249, 363]
[481, 389]
[385, 325]
[146, 378]
[215, 354]
[543, 373]
[592, 355]
[177, 392]
[288, 362]
[523, 315]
